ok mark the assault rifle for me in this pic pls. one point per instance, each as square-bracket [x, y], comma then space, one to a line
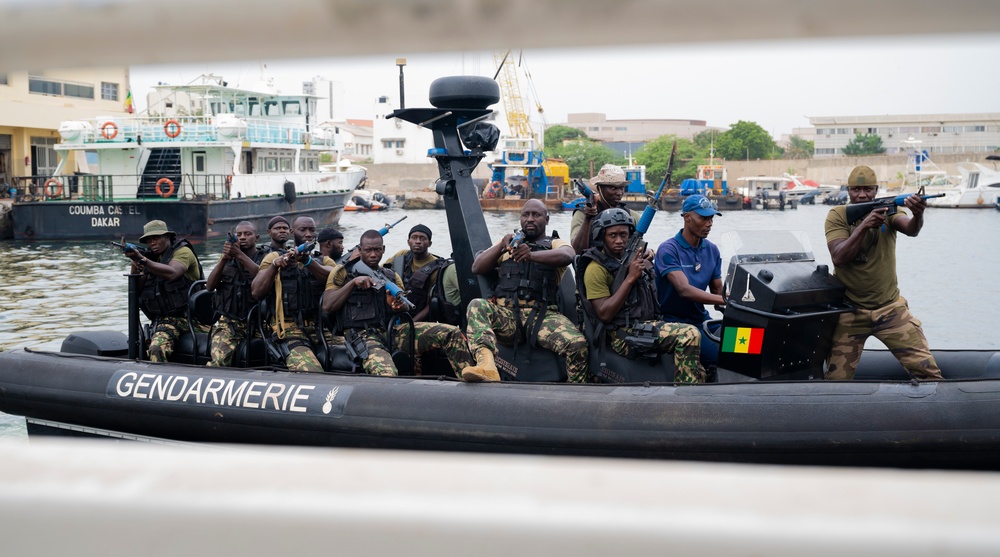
[232, 238]
[516, 241]
[383, 231]
[636, 247]
[380, 282]
[585, 191]
[127, 246]
[858, 211]
[305, 248]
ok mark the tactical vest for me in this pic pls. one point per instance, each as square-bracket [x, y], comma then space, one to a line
[300, 293]
[527, 280]
[232, 295]
[418, 282]
[641, 303]
[162, 298]
[365, 309]
[442, 310]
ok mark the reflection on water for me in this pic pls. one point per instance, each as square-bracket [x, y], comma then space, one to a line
[50, 290]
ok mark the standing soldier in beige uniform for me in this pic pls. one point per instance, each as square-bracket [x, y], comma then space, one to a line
[864, 259]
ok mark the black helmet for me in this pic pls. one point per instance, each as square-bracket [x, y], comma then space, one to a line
[610, 217]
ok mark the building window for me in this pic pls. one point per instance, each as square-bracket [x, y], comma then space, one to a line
[78, 91]
[826, 151]
[109, 91]
[844, 131]
[42, 86]
[975, 128]
[621, 129]
[955, 129]
[930, 129]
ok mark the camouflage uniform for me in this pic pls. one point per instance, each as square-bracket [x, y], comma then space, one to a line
[300, 354]
[892, 324]
[226, 336]
[166, 331]
[488, 320]
[681, 340]
[429, 336]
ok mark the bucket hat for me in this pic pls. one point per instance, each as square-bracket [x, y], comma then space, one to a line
[154, 228]
[609, 175]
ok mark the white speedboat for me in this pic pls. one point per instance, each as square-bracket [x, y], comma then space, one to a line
[979, 187]
[771, 192]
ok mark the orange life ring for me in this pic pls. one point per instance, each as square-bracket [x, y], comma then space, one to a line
[106, 126]
[170, 187]
[53, 187]
[177, 128]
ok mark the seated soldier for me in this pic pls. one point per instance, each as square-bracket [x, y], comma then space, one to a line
[626, 302]
[419, 269]
[294, 281]
[168, 269]
[230, 280]
[364, 312]
[524, 305]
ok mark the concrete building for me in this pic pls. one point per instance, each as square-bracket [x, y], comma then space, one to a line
[972, 134]
[354, 139]
[628, 135]
[396, 141]
[32, 105]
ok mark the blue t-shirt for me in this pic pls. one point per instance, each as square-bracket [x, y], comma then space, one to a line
[701, 265]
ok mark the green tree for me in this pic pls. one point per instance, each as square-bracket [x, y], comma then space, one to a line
[745, 140]
[578, 157]
[555, 135]
[868, 144]
[655, 155]
[799, 148]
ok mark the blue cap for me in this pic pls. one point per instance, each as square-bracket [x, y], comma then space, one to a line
[699, 204]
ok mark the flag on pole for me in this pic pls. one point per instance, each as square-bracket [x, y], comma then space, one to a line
[742, 340]
[128, 102]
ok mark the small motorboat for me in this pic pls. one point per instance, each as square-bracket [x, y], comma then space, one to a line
[364, 200]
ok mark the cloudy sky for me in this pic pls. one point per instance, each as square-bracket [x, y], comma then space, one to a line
[776, 84]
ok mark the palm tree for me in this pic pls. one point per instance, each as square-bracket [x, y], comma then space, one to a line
[799, 148]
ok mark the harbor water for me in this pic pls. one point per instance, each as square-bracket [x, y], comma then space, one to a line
[52, 289]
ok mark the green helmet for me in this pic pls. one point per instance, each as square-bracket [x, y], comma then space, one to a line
[608, 218]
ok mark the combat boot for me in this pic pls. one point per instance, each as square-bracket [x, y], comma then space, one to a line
[484, 370]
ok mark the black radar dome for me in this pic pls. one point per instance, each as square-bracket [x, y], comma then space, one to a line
[464, 91]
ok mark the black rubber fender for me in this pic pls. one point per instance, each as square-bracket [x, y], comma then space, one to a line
[290, 194]
[464, 91]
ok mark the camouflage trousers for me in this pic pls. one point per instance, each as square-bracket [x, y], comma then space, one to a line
[166, 331]
[299, 341]
[679, 339]
[487, 321]
[227, 335]
[895, 326]
[429, 336]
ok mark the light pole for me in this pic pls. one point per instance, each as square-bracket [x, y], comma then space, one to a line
[401, 62]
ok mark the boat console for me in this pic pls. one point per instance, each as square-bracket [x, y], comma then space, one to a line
[782, 307]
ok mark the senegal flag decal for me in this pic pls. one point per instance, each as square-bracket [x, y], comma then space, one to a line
[742, 340]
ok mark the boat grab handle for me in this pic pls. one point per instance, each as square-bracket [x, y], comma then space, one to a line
[792, 317]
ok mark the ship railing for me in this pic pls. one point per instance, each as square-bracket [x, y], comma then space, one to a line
[102, 188]
[182, 129]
